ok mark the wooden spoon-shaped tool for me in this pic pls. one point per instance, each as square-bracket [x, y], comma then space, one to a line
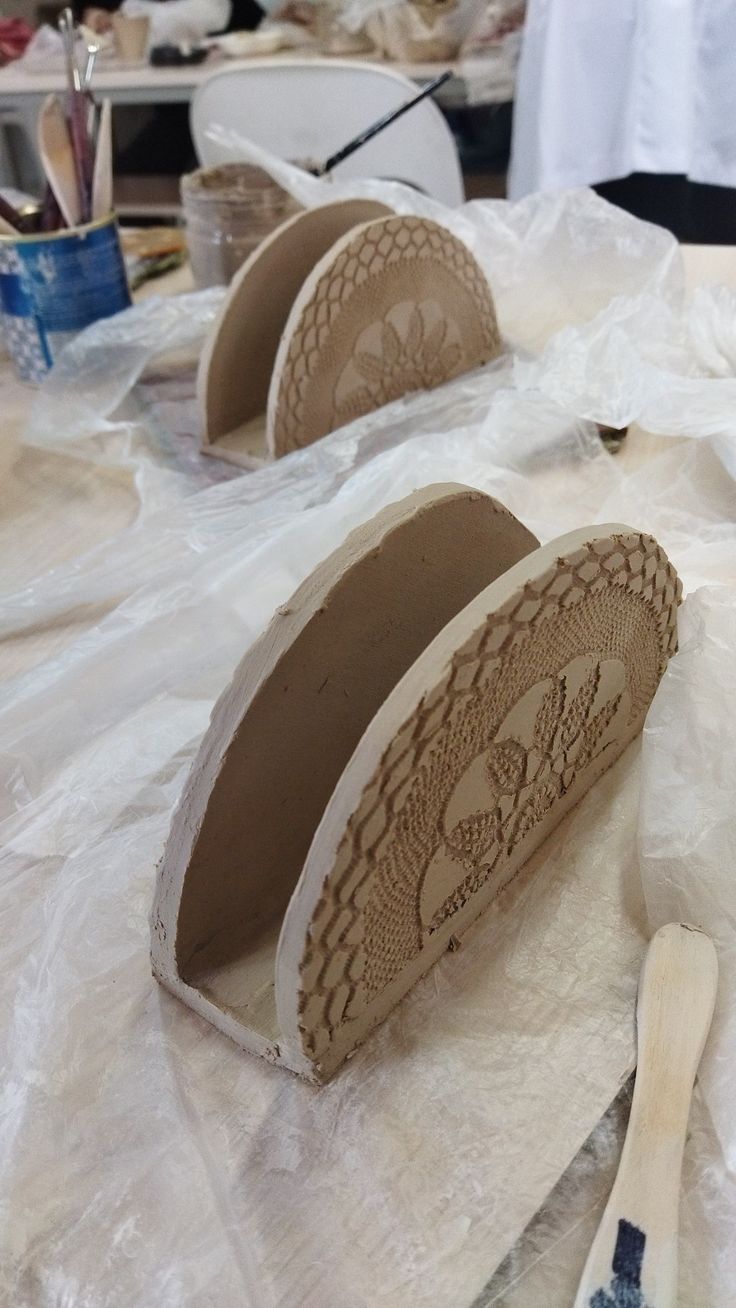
[57, 157]
[102, 176]
[633, 1261]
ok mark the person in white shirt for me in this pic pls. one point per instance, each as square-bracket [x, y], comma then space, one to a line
[639, 95]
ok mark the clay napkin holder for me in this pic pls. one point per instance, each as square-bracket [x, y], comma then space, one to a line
[341, 310]
[412, 725]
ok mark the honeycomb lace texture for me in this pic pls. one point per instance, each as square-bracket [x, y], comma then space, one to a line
[610, 604]
[395, 261]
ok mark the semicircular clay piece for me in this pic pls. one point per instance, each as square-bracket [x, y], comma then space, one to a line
[282, 733]
[238, 359]
[399, 305]
[498, 729]
[390, 754]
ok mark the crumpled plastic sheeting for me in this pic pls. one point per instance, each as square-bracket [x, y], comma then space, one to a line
[247, 513]
[533, 251]
[543, 1269]
[597, 295]
[650, 359]
[111, 356]
[144, 1159]
[104, 420]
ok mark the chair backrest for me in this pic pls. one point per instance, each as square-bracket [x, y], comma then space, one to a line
[306, 109]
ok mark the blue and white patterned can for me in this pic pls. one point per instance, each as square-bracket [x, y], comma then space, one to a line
[52, 285]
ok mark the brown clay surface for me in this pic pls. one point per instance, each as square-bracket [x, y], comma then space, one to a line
[238, 359]
[407, 732]
[497, 730]
[398, 305]
[284, 731]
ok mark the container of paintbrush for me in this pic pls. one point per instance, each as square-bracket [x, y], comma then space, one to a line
[53, 284]
[61, 266]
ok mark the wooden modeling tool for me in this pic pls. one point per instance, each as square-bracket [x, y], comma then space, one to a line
[102, 176]
[633, 1260]
[57, 157]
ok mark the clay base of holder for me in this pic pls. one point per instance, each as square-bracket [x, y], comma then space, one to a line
[245, 446]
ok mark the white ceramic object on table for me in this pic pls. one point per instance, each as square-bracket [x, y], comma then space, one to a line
[131, 33]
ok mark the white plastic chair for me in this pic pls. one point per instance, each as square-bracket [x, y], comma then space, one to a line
[303, 109]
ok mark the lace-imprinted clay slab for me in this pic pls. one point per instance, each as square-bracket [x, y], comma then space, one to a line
[468, 750]
[489, 739]
[237, 362]
[398, 305]
[282, 733]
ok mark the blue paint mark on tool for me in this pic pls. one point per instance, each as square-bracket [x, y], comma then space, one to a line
[628, 1256]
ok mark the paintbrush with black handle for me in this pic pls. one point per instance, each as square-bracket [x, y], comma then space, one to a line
[77, 111]
[379, 126]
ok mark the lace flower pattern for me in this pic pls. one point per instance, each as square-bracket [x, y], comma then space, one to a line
[525, 781]
[420, 359]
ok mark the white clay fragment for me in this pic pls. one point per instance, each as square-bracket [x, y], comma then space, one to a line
[432, 701]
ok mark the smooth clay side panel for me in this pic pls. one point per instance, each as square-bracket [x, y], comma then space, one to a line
[496, 731]
[283, 732]
[398, 305]
[238, 358]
